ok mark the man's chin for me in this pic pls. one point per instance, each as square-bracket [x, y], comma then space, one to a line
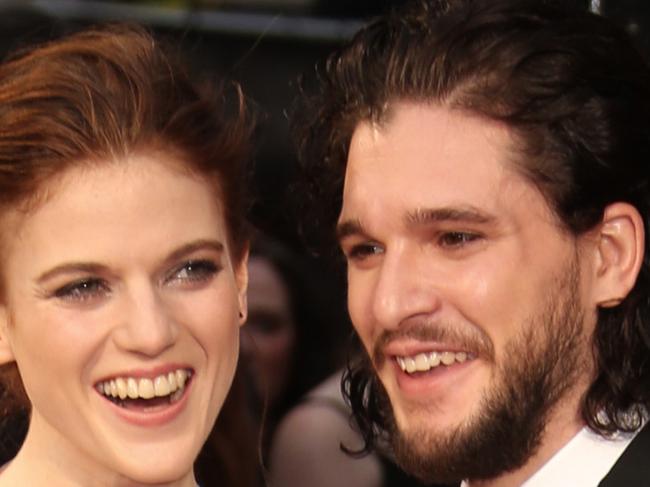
[422, 457]
[433, 421]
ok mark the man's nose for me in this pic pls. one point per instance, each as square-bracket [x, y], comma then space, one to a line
[404, 288]
[147, 326]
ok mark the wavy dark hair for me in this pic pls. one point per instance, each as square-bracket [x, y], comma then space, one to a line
[571, 87]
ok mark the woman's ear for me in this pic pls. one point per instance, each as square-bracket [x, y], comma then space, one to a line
[620, 247]
[6, 351]
[241, 276]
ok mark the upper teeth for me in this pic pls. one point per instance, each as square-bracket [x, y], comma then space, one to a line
[134, 388]
[426, 361]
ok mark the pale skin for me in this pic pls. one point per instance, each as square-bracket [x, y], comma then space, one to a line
[125, 270]
[438, 227]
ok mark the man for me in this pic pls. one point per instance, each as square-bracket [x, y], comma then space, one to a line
[486, 165]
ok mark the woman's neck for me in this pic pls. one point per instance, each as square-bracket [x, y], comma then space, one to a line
[47, 458]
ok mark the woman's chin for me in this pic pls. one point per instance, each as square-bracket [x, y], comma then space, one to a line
[160, 474]
[165, 467]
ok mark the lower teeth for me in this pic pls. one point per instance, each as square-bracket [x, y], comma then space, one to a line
[169, 399]
[176, 396]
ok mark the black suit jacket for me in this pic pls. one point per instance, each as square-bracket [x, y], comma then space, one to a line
[633, 467]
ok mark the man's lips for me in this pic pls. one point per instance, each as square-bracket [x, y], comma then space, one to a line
[423, 362]
[413, 355]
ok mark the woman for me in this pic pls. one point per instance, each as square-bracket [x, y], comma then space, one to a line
[122, 261]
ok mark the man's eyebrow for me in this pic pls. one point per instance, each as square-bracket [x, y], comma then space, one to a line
[423, 216]
[347, 228]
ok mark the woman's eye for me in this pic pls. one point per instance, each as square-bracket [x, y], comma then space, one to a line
[195, 271]
[457, 239]
[83, 290]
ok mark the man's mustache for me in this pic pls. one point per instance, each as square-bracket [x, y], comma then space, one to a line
[468, 338]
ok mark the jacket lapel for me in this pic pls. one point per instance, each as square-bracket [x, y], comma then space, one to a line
[633, 467]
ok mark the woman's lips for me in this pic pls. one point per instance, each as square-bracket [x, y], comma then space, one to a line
[148, 401]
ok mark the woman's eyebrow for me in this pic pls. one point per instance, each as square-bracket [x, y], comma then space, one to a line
[97, 268]
[72, 267]
[201, 244]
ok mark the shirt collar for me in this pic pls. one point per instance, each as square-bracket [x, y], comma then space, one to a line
[582, 462]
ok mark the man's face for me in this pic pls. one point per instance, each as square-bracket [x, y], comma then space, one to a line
[465, 291]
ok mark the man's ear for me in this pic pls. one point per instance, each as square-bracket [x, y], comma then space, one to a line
[241, 276]
[620, 250]
[6, 351]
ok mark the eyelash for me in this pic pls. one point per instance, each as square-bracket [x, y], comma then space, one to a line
[90, 288]
[457, 239]
[449, 240]
[83, 290]
[362, 251]
[197, 271]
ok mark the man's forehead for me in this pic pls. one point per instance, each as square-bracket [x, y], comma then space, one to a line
[433, 160]
[426, 144]
[430, 133]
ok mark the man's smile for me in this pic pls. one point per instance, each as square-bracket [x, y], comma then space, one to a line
[423, 362]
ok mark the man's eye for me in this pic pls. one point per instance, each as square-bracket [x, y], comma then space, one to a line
[457, 239]
[363, 251]
[194, 271]
[83, 290]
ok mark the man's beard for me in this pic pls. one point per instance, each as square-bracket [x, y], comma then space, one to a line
[541, 364]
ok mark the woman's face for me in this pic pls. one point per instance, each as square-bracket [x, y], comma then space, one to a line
[121, 284]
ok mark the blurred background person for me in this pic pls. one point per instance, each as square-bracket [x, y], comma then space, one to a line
[295, 333]
[317, 443]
